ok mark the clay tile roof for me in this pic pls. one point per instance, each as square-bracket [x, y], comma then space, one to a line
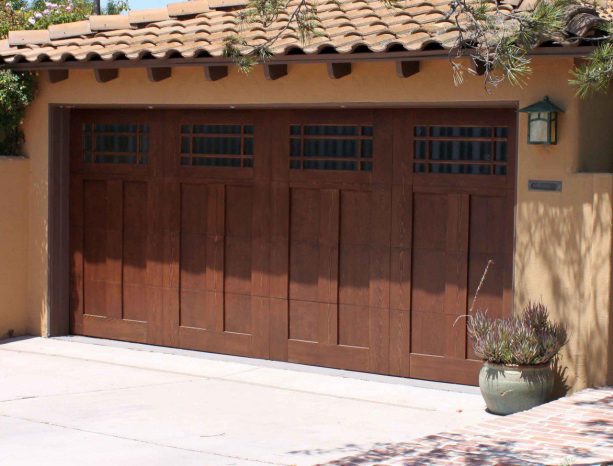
[198, 28]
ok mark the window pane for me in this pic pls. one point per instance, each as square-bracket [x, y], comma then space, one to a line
[501, 151]
[420, 149]
[461, 131]
[108, 143]
[115, 159]
[311, 130]
[216, 146]
[295, 149]
[216, 162]
[329, 165]
[185, 145]
[460, 169]
[248, 146]
[217, 129]
[367, 148]
[501, 132]
[331, 144]
[421, 131]
[461, 150]
[419, 168]
[330, 148]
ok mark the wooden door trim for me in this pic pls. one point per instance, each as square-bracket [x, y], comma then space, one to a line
[58, 283]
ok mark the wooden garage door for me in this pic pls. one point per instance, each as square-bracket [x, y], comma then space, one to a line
[349, 239]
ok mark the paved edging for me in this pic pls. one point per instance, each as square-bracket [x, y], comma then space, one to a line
[574, 430]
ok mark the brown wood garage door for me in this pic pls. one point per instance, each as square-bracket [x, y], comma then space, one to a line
[350, 239]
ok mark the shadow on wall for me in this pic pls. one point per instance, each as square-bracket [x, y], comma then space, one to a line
[595, 135]
[563, 257]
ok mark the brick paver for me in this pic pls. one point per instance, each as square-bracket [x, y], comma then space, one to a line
[574, 430]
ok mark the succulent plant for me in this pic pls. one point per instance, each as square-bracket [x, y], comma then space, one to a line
[529, 338]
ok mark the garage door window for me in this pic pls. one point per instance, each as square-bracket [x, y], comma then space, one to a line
[460, 150]
[331, 147]
[124, 144]
[217, 145]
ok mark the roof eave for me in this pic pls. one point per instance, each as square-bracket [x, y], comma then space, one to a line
[419, 55]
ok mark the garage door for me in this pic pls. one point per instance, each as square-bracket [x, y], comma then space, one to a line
[350, 239]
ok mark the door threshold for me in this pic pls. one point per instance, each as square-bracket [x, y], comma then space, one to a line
[389, 379]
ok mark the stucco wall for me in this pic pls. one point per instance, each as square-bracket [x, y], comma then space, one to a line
[14, 181]
[563, 243]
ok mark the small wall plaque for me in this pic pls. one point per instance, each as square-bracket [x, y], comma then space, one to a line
[544, 185]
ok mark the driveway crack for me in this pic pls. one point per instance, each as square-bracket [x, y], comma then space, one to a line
[145, 442]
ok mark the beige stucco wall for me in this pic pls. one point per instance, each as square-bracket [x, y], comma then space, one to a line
[563, 243]
[14, 193]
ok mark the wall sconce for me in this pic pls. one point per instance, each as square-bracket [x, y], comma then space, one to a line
[542, 122]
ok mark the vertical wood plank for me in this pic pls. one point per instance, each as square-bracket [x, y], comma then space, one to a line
[215, 252]
[327, 287]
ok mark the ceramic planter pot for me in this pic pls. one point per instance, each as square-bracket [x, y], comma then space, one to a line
[510, 389]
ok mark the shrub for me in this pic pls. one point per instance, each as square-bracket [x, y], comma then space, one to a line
[526, 339]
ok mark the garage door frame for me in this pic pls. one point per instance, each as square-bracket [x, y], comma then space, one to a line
[59, 175]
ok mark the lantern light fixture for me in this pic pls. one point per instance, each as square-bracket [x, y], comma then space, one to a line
[542, 122]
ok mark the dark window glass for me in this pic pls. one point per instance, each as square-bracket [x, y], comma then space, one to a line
[328, 165]
[330, 148]
[501, 151]
[311, 130]
[115, 159]
[216, 146]
[463, 169]
[185, 145]
[461, 150]
[419, 168]
[186, 129]
[500, 170]
[115, 143]
[421, 131]
[367, 148]
[461, 131]
[185, 161]
[216, 162]
[217, 129]
[295, 149]
[420, 149]
[501, 132]
[248, 146]
[213, 146]
[122, 144]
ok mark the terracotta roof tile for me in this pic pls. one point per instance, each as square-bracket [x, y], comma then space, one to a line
[199, 27]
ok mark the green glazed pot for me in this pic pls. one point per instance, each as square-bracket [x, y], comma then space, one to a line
[510, 389]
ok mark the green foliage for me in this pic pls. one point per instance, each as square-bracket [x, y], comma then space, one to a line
[17, 90]
[596, 74]
[528, 339]
[16, 93]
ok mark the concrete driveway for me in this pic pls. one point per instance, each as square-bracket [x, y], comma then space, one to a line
[87, 401]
